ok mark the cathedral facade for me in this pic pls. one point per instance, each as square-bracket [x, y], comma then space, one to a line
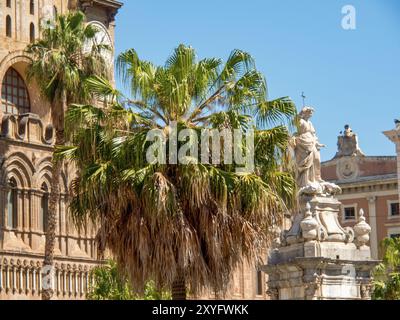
[26, 144]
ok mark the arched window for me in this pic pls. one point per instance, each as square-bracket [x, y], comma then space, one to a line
[14, 95]
[32, 32]
[44, 208]
[8, 27]
[8, 3]
[32, 7]
[12, 204]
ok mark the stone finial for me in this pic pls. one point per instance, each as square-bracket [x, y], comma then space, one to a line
[309, 226]
[362, 230]
[348, 143]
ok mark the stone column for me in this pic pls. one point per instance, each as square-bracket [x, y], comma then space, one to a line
[26, 213]
[38, 240]
[372, 223]
[394, 136]
[35, 198]
[20, 212]
[3, 207]
[63, 228]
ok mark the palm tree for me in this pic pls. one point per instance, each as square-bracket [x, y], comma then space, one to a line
[65, 55]
[387, 273]
[109, 285]
[183, 226]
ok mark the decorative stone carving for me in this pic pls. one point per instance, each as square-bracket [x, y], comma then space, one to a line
[324, 212]
[27, 278]
[309, 226]
[362, 230]
[347, 168]
[348, 144]
[28, 127]
[349, 234]
[317, 253]
[273, 294]
[111, 15]
[112, 7]
[311, 289]
[85, 4]
[365, 291]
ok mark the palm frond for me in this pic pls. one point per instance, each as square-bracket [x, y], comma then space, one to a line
[196, 220]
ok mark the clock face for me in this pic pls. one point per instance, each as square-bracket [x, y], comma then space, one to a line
[102, 37]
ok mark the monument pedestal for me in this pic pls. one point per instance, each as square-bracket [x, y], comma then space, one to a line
[318, 278]
[318, 259]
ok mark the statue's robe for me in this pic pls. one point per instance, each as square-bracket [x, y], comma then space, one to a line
[307, 155]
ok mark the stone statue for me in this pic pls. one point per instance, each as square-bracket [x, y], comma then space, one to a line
[308, 159]
[317, 258]
[306, 148]
[348, 144]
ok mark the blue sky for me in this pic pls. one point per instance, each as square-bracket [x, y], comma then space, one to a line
[348, 76]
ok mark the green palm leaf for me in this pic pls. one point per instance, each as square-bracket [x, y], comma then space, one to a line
[193, 220]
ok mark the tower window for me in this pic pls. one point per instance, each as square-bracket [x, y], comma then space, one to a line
[44, 208]
[8, 4]
[32, 7]
[14, 94]
[32, 32]
[8, 26]
[12, 207]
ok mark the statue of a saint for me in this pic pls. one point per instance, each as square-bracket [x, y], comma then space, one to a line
[308, 159]
[307, 151]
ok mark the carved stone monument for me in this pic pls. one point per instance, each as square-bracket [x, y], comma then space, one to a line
[317, 258]
[348, 143]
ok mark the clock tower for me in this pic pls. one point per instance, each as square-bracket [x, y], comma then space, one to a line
[100, 13]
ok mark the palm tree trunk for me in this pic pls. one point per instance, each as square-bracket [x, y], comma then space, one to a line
[58, 120]
[178, 291]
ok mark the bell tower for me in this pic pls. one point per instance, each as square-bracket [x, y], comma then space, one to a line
[100, 11]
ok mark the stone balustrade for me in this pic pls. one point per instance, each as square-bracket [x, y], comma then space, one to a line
[21, 279]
